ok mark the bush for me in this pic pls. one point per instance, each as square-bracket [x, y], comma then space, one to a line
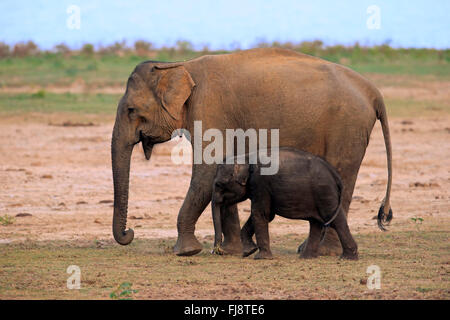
[118, 48]
[142, 48]
[62, 49]
[310, 47]
[348, 54]
[39, 95]
[4, 50]
[87, 49]
[184, 46]
[262, 44]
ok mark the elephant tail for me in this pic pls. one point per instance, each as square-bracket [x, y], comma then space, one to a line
[385, 212]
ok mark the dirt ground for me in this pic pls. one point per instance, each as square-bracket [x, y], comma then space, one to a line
[56, 183]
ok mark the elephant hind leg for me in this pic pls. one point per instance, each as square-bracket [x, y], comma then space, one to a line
[331, 246]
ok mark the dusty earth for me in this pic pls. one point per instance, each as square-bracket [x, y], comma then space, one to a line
[58, 180]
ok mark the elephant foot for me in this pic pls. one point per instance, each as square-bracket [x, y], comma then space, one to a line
[308, 255]
[233, 247]
[187, 245]
[330, 246]
[263, 255]
[249, 249]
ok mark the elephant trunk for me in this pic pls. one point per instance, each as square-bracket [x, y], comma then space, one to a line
[121, 156]
[217, 220]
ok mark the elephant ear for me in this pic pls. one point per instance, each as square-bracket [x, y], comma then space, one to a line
[241, 173]
[173, 88]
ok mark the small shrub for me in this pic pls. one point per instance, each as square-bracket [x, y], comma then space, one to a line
[417, 221]
[123, 292]
[39, 95]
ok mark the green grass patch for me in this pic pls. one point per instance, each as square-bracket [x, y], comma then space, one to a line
[99, 103]
[45, 102]
[58, 70]
[413, 264]
[416, 108]
[109, 69]
[6, 220]
[440, 71]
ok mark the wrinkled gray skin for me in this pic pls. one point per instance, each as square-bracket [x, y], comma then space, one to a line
[318, 106]
[306, 187]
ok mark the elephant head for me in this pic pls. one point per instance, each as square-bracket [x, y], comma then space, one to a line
[230, 187]
[151, 109]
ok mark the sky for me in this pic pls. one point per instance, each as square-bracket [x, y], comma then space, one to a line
[226, 24]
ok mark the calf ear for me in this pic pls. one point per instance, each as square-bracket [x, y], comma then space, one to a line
[241, 173]
[173, 88]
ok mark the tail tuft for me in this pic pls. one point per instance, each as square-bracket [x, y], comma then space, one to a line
[384, 220]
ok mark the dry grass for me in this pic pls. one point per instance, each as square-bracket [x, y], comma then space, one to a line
[414, 262]
[413, 257]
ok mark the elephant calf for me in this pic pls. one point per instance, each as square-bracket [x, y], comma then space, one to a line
[305, 187]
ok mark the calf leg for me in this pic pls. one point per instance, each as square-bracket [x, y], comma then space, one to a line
[247, 232]
[196, 200]
[231, 228]
[331, 245]
[312, 246]
[261, 232]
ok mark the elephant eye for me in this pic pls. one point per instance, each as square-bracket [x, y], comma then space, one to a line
[132, 113]
[220, 184]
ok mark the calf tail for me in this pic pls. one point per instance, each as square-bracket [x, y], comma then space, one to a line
[337, 178]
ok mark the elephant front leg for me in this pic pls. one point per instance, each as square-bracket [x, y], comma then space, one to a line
[195, 202]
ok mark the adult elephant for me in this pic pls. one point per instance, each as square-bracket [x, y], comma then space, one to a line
[318, 106]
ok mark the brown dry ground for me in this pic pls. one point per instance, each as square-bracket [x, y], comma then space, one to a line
[61, 175]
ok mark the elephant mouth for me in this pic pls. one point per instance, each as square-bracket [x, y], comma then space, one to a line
[147, 144]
